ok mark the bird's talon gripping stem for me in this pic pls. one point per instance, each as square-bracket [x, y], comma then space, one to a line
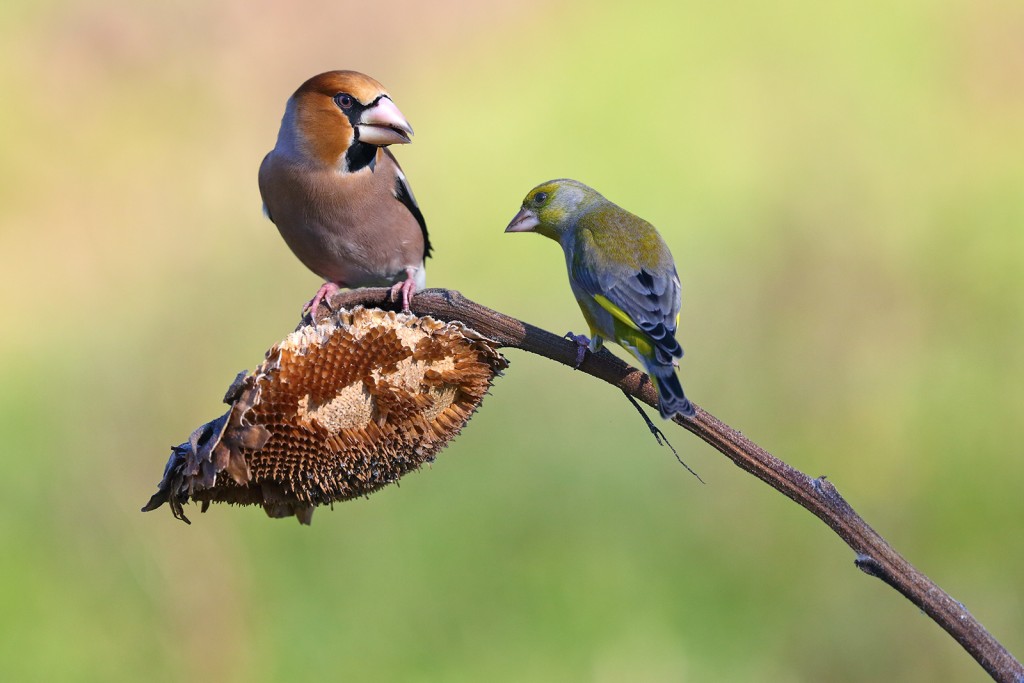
[582, 344]
[407, 287]
[327, 290]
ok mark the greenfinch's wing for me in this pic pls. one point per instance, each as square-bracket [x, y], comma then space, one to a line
[644, 299]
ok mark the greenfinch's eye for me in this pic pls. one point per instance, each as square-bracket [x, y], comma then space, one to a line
[540, 198]
[344, 100]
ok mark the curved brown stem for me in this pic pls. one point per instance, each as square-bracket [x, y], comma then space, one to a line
[874, 556]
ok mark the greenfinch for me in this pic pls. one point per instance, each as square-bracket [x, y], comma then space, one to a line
[622, 275]
[336, 193]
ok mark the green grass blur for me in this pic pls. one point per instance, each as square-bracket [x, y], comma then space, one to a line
[842, 185]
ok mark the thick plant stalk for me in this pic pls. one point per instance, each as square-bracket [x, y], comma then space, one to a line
[874, 555]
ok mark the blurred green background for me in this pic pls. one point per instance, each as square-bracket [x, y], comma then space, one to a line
[841, 184]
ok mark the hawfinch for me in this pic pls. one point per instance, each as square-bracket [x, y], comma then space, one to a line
[336, 193]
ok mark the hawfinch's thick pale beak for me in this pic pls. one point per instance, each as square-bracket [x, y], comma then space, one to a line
[525, 221]
[382, 124]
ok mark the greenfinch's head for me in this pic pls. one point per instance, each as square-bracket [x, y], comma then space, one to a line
[551, 208]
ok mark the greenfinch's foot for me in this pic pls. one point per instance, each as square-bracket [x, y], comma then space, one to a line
[582, 344]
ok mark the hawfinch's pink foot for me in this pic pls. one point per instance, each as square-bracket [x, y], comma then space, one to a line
[407, 287]
[327, 290]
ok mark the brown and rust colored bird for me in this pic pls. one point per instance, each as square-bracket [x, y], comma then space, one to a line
[336, 193]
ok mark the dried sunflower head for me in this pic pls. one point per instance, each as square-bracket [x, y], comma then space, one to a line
[336, 411]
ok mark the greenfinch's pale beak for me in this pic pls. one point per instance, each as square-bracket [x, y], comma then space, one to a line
[382, 124]
[525, 221]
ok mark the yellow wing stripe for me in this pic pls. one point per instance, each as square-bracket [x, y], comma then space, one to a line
[616, 312]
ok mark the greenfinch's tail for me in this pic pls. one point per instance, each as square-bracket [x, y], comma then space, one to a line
[671, 399]
[657, 356]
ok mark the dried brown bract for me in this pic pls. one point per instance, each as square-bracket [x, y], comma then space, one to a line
[336, 411]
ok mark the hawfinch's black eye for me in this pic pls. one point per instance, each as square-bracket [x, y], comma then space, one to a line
[344, 100]
[540, 198]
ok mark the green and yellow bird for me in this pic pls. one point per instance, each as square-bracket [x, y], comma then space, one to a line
[622, 274]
